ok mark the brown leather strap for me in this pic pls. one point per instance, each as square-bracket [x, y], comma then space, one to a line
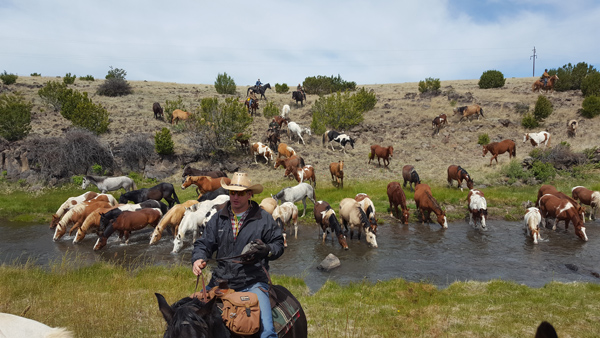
[204, 294]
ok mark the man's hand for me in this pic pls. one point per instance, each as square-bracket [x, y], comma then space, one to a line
[198, 266]
[254, 252]
[262, 250]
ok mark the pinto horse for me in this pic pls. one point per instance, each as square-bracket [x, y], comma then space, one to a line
[396, 197]
[129, 221]
[342, 139]
[536, 139]
[467, 111]
[561, 210]
[306, 173]
[457, 173]
[539, 84]
[438, 122]
[368, 207]
[285, 214]
[325, 217]
[550, 189]
[409, 174]
[426, 203]
[477, 208]
[572, 128]
[204, 183]
[337, 173]
[157, 193]
[261, 149]
[193, 219]
[532, 219]
[497, 148]
[283, 150]
[352, 214]
[382, 153]
[587, 197]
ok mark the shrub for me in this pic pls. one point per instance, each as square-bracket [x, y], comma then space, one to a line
[35, 74]
[8, 79]
[529, 121]
[77, 180]
[270, 110]
[114, 87]
[170, 106]
[429, 85]
[590, 86]
[571, 77]
[116, 73]
[515, 172]
[491, 79]
[69, 79]
[53, 94]
[224, 84]
[97, 169]
[90, 116]
[483, 139]
[590, 107]
[281, 88]
[136, 151]
[163, 142]
[322, 85]
[364, 100]
[15, 117]
[86, 78]
[543, 108]
[337, 111]
[543, 171]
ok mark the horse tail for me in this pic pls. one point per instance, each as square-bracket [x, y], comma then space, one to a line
[325, 135]
[481, 112]
[175, 197]
[514, 151]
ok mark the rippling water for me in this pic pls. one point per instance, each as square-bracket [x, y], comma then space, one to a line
[414, 252]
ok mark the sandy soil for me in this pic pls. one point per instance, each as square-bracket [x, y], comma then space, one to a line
[402, 118]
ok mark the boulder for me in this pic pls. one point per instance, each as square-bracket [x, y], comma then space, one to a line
[329, 263]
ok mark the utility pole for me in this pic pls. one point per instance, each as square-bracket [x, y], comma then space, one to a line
[533, 57]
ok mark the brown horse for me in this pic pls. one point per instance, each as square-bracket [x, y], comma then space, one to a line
[325, 217]
[381, 153]
[294, 161]
[281, 121]
[426, 204]
[438, 122]
[273, 139]
[204, 183]
[244, 141]
[467, 111]
[457, 173]
[129, 221]
[397, 198]
[306, 173]
[337, 173]
[497, 148]
[77, 216]
[158, 111]
[179, 115]
[409, 174]
[252, 107]
[539, 84]
[562, 210]
[550, 189]
[587, 197]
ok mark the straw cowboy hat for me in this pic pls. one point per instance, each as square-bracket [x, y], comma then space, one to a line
[241, 182]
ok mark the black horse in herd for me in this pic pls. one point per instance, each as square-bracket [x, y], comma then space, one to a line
[259, 90]
[299, 96]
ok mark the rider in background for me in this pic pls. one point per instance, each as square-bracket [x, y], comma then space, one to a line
[299, 88]
[545, 77]
[251, 97]
[258, 83]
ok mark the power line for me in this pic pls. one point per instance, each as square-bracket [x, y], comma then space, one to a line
[533, 57]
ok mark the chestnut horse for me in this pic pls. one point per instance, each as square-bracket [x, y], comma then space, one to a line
[409, 174]
[397, 198]
[550, 189]
[129, 221]
[539, 84]
[382, 153]
[587, 197]
[561, 210]
[77, 216]
[325, 217]
[467, 111]
[294, 162]
[497, 148]
[204, 183]
[244, 141]
[426, 204]
[337, 173]
[457, 173]
[73, 201]
[281, 121]
[179, 115]
[283, 150]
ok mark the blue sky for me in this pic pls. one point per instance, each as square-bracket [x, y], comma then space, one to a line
[368, 42]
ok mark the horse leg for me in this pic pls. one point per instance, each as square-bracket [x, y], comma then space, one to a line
[304, 204]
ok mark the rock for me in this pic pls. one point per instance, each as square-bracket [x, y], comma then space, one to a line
[572, 267]
[329, 263]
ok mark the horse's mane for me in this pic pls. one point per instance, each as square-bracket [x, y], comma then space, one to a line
[363, 218]
[433, 200]
[334, 224]
[414, 173]
[77, 209]
[185, 312]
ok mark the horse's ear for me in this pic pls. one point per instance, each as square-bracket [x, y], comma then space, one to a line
[207, 308]
[164, 307]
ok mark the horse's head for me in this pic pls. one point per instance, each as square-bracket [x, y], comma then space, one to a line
[100, 243]
[85, 183]
[189, 317]
[580, 230]
[485, 151]
[405, 216]
[123, 199]
[441, 219]
[469, 182]
[371, 237]
[391, 150]
[187, 182]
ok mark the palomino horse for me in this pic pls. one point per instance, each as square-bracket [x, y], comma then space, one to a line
[92, 222]
[457, 173]
[129, 221]
[302, 191]
[73, 201]
[171, 220]
[497, 148]
[587, 197]
[179, 115]
[192, 220]
[409, 174]
[477, 208]
[396, 197]
[77, 216]
[368, 207]
[268, 204]
[295, 129]
[283, 215]
[382, 153]
[543, 137]
[17, 326]
[259, 89]
[438, 122]
[190, 317]
[352, 214]
[204, 183]
[539, 84]
[105, 183]
[325, 217]
[426, 204]
[304, 174]
[562, 210]
[532, 219]
[285, 151]
[337, 173]
[550, 189]
[252, 107]
[157, 192]
[467, 111]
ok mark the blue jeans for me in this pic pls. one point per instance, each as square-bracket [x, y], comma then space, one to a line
[266, 317]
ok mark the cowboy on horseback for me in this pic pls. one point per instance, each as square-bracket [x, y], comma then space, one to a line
[258, 83]
[251, 97]
[300, 89]
[545, 77]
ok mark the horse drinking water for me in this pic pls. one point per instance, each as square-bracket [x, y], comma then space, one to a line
[477, 208]
[352, 214]
[426, 204]
[325, 217]
[396, 197]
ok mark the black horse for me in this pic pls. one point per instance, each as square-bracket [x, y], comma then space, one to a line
[190, 317]
[157, 192]
[299, 96]
[260, 90]
[158, 111]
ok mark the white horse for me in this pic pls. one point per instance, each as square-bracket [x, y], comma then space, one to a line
[302, 191]
[352, 214]
[533, 218]
[16, 326]
[294, 128]
[285, 111]
[105, 183]
[193, 218]
[477, 208]
[543, 137]
[284, 214]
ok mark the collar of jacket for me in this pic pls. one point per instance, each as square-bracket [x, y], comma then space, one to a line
[253, 212]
